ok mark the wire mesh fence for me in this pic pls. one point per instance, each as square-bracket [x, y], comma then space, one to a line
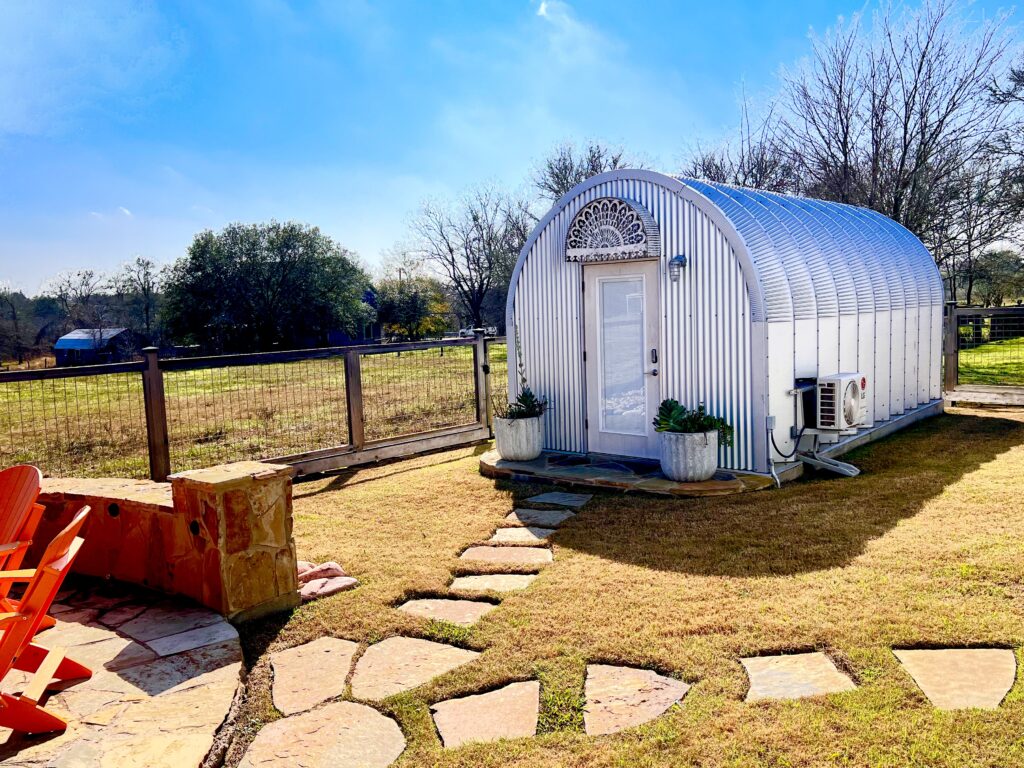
[83, 425]
[89, 423]
[417, 391]
[218, 415]
[497, 354]
[990, 346]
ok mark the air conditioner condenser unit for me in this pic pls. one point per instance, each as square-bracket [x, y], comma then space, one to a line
[842, 401]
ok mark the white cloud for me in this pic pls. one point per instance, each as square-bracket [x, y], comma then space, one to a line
[124, 211]
[58, 59]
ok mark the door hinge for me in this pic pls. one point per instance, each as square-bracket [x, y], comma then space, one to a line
[584, 355]
[583, 286]
[586, 423]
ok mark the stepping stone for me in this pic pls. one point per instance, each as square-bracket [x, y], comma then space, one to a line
[461, 612]
[338, 734]
[508, 555]
[401, 663]
[547, 518]
[624, 697]
[493, 582]
[962, 678]
[507, 713]
[794, 676]
[528, 535]
[561, 499]
[308, 674]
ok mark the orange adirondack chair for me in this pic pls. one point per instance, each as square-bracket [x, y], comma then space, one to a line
[19, 518]
[21, 712]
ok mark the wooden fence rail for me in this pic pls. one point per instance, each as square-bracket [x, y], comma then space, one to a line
[983, 355]
[452, 388]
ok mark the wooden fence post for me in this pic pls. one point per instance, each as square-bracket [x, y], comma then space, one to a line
[156, 417]
[950, 351]
[354, 399]
[482, 378]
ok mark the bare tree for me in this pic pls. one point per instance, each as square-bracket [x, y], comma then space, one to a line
[569, 165]
[80, 298]
[472, 245]
[758, 158]
[887, 117]
[138, 286]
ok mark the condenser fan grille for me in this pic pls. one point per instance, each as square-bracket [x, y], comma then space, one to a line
[851, 403]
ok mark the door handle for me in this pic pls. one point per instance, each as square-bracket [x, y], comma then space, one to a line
[654, 356]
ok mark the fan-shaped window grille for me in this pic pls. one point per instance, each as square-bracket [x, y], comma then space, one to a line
[612, 229]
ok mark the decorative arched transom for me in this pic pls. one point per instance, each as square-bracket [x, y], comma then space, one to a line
[612, 229]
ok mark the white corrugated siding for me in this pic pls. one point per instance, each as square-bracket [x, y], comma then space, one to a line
[705, 349]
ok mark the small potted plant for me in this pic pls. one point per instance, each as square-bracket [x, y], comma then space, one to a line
[689, 441]
[519, 425]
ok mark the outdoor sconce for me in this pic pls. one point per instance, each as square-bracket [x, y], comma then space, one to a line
[675, 266]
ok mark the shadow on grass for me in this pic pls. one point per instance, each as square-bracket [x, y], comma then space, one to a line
[344, 478]
[809, 525]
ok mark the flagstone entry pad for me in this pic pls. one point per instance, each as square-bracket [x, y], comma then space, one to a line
[614, 473]
[165, 672]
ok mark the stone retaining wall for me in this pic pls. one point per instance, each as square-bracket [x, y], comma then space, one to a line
[222, 536]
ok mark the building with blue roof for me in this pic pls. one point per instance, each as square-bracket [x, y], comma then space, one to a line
[93, 346]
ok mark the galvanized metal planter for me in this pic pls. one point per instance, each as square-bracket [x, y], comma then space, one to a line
[689, 457]
[519, 439]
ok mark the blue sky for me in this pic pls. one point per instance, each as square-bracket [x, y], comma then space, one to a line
[126, 127]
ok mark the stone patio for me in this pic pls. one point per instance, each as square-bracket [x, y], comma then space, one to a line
[401, 663]
[613, 473]
[507, 555]
[465, 613]
[165, 673]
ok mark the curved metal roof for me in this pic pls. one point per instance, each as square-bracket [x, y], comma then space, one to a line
[821, 259]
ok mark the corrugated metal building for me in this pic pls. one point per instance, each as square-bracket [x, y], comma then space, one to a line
[638, 286]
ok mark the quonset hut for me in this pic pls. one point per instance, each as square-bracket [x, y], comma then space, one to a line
[797, 320]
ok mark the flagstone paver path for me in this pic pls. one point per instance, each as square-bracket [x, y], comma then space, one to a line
[507, 713]
[527, 535]
[465, 613]
[400, 663]
[164, 676]
[561, 499]
[794, 676]
[508, 555]
[962, 678]
[309, 674]
[546, 518]
[624, 697]
[493, 582]
[342, 734]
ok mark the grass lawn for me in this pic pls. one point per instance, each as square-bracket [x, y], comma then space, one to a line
[994, 362]
[925, 548]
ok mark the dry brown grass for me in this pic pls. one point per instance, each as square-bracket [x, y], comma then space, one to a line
[925, 548]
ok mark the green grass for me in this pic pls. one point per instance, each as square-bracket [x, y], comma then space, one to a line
[994, 362]
[924, 548]
[96, 426]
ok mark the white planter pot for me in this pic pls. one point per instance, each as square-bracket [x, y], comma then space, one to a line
[689, 457]
[519, 439]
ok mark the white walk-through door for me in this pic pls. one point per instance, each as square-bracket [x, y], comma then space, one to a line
[621, 351]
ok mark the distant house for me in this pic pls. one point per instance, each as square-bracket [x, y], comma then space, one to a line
[92, 346]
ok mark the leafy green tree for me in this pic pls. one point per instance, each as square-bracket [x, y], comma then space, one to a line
[413, 308]
[257, 286]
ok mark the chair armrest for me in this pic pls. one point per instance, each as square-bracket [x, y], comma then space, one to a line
[14, 546]
[25, 574]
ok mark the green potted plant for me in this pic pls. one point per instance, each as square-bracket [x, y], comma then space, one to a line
[519, 425]
[689, 441]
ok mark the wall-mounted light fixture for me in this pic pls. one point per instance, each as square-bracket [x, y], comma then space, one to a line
[675, 266]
